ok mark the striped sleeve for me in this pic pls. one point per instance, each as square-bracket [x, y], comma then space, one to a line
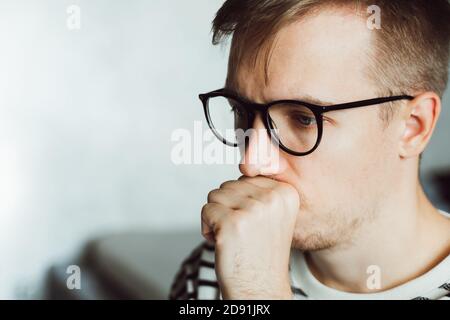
[441, 293]
[196, 278]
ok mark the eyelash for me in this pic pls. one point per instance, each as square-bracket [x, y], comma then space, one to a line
[299, 119]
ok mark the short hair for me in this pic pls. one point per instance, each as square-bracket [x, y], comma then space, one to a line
[410, 52]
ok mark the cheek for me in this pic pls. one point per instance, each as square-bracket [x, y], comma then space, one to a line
[345, 167]
[356, 147]
[316, 180]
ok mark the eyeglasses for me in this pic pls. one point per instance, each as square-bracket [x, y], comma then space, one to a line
[296, 126]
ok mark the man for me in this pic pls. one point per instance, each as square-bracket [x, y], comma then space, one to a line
[335, 210]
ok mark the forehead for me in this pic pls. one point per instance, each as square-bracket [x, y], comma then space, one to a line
[323, 56]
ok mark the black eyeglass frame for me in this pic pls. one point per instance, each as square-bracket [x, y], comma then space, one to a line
[318, 111]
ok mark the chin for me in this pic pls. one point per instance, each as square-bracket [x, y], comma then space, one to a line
[312, 234]
[312, 242]
[320, 231]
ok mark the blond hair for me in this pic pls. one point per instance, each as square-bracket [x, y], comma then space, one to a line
[410, 52]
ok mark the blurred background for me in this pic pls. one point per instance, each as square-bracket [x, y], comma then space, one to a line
[86, 118]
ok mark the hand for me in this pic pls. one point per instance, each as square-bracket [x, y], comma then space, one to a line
[252, 222]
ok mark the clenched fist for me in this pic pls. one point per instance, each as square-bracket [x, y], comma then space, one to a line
[252, 222]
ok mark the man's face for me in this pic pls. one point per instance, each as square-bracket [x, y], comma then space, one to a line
[344, 181]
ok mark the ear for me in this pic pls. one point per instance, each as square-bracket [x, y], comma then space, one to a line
[419, 119]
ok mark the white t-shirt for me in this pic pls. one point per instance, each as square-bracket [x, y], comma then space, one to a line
[426, 286]
[196, 279]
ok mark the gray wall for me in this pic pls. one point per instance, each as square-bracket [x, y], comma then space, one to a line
[86, 118]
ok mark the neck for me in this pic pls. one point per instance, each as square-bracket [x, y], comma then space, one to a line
[407, 239]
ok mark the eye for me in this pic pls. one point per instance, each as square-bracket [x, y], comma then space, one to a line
[305, 120]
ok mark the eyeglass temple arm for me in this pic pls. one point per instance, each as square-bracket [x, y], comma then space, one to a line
[365, 103]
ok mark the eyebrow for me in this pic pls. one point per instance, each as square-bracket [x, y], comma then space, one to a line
[312, 100]
[306, 98]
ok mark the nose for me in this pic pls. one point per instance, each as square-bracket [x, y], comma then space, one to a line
[261, 155]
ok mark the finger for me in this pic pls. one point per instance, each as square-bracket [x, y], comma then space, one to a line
[242, 187]
[269, 183]
[260, 186]
[260, 181]
[227, 197]
[285, 190]
[212, 217]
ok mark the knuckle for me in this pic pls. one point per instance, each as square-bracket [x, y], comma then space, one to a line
[227, 184]
[204, 211]
[212, 195]
[207, 210]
